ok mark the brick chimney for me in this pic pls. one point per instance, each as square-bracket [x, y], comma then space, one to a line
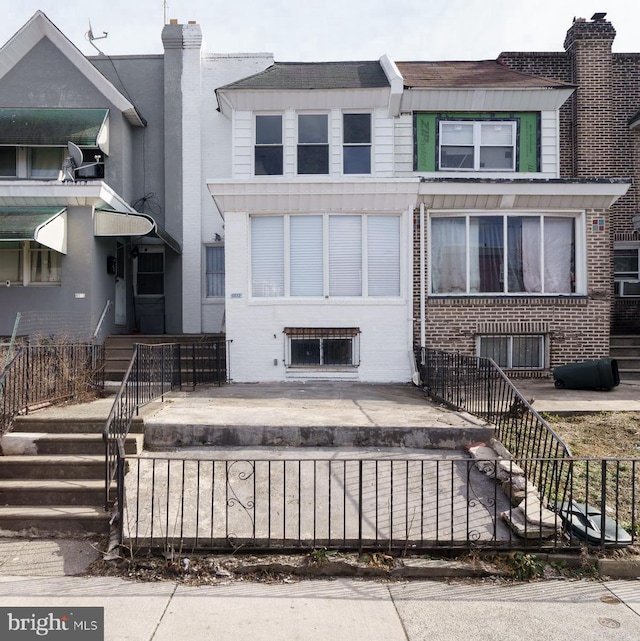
[588, 44]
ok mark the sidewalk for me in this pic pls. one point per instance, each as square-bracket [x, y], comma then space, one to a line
[342, 609]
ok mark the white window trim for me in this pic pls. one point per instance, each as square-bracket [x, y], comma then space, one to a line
[27, 250]
[352, 144]
[477, 146]
[580, 252]
[623, 278]
[299, 144]
[255, 145]
[204, 265]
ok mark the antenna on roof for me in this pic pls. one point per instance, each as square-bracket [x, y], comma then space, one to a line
[90, 37]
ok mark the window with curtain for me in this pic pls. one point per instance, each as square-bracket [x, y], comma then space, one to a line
[29, 263]
[214, 259]
[11, 262]
[45, 265]
[497, 254]
[45, 162]
[334, 255]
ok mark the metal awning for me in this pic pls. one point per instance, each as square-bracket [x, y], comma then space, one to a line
[45, 225]
[108, 222]
[55, 127]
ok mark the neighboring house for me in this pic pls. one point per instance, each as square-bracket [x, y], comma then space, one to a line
[599, 138]
[128, 234]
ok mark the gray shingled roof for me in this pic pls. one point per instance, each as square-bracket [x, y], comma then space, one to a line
[316, 75]
[469, 74]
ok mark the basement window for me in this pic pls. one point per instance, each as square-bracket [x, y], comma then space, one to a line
[322, 347]
[518, 351]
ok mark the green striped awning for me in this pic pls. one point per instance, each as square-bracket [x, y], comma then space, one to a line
[54, 127]
[45, 225]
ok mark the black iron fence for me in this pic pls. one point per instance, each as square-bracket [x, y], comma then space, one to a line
[41, 374]
[398, 504]
[153, 371]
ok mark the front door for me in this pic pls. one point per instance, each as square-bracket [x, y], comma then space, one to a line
[121, 286]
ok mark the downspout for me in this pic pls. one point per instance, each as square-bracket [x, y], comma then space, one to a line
[423, 300]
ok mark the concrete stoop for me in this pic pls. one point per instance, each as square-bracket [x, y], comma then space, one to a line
[52, 476]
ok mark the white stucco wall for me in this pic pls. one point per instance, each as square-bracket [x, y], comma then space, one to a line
[255, 325]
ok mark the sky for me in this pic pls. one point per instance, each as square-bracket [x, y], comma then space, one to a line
[324, 30]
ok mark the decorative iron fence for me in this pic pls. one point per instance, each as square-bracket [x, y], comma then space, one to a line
[39, 374]
[398, 504]
[153, 371]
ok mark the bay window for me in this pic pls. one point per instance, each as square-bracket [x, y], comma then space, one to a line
[503, 254]
[325, 255]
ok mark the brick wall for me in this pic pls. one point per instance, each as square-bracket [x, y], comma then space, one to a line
[577, 328]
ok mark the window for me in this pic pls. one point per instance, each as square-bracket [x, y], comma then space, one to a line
[626, 266]
[356, 150]
[29, 263]
[45, 162]
[328, 255]
[477, 145]
[150, 272]
[322, 347]
[215, 271]
[467, 142]
[513, 352]
[313, 144]
[8, 164]
[497, 254]
[268, 149]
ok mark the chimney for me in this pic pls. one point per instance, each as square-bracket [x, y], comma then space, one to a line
[588, 44]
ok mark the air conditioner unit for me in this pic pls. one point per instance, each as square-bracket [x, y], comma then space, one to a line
[627, 288]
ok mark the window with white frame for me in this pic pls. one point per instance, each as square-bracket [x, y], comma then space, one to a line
[313, 144]
[325, 255]
[504, 254]
[477, 146]
[214, 268]
[268, 151]
[626, 266]
[45, 162]
[356, 149]
[29, 263]
[322, 347]
[514, 351]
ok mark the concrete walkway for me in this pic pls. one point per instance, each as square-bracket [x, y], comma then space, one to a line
[339, 609]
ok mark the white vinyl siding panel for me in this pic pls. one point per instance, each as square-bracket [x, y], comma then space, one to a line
[306, 255]
[403, 143]
[549, 144]
[383, 145]
[267, 256]
[242, 144]
[383, 251]
[345, 255]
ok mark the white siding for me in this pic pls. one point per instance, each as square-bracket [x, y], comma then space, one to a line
[404, 145]
[242, 144]
[383, 144]
[549, 144]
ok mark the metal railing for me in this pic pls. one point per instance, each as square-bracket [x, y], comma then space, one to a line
[478, 386]
[153, 371]
[398, 504]
[40, 374]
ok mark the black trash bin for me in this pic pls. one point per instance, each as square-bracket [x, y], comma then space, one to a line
[601, 374]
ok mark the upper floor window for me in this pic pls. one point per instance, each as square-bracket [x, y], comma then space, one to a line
[29, 263]
[498, 254]
[45, 162]
[8, 162]
[215, 271]
[480, 142]
[313, 144]
[325, 255]
[356, 150]
[268, 154]
[477, 146]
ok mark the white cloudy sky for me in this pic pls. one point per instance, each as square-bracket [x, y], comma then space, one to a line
[308, 30]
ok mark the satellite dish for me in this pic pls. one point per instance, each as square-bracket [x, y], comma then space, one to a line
[75, 153]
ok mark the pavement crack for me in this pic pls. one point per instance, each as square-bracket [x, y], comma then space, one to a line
[357, 404]
[395, 607]
[166, 607]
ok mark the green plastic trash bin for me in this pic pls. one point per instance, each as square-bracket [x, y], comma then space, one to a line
[601, 374]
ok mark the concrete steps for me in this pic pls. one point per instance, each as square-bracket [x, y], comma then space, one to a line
[625, 348]
[52, 475]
